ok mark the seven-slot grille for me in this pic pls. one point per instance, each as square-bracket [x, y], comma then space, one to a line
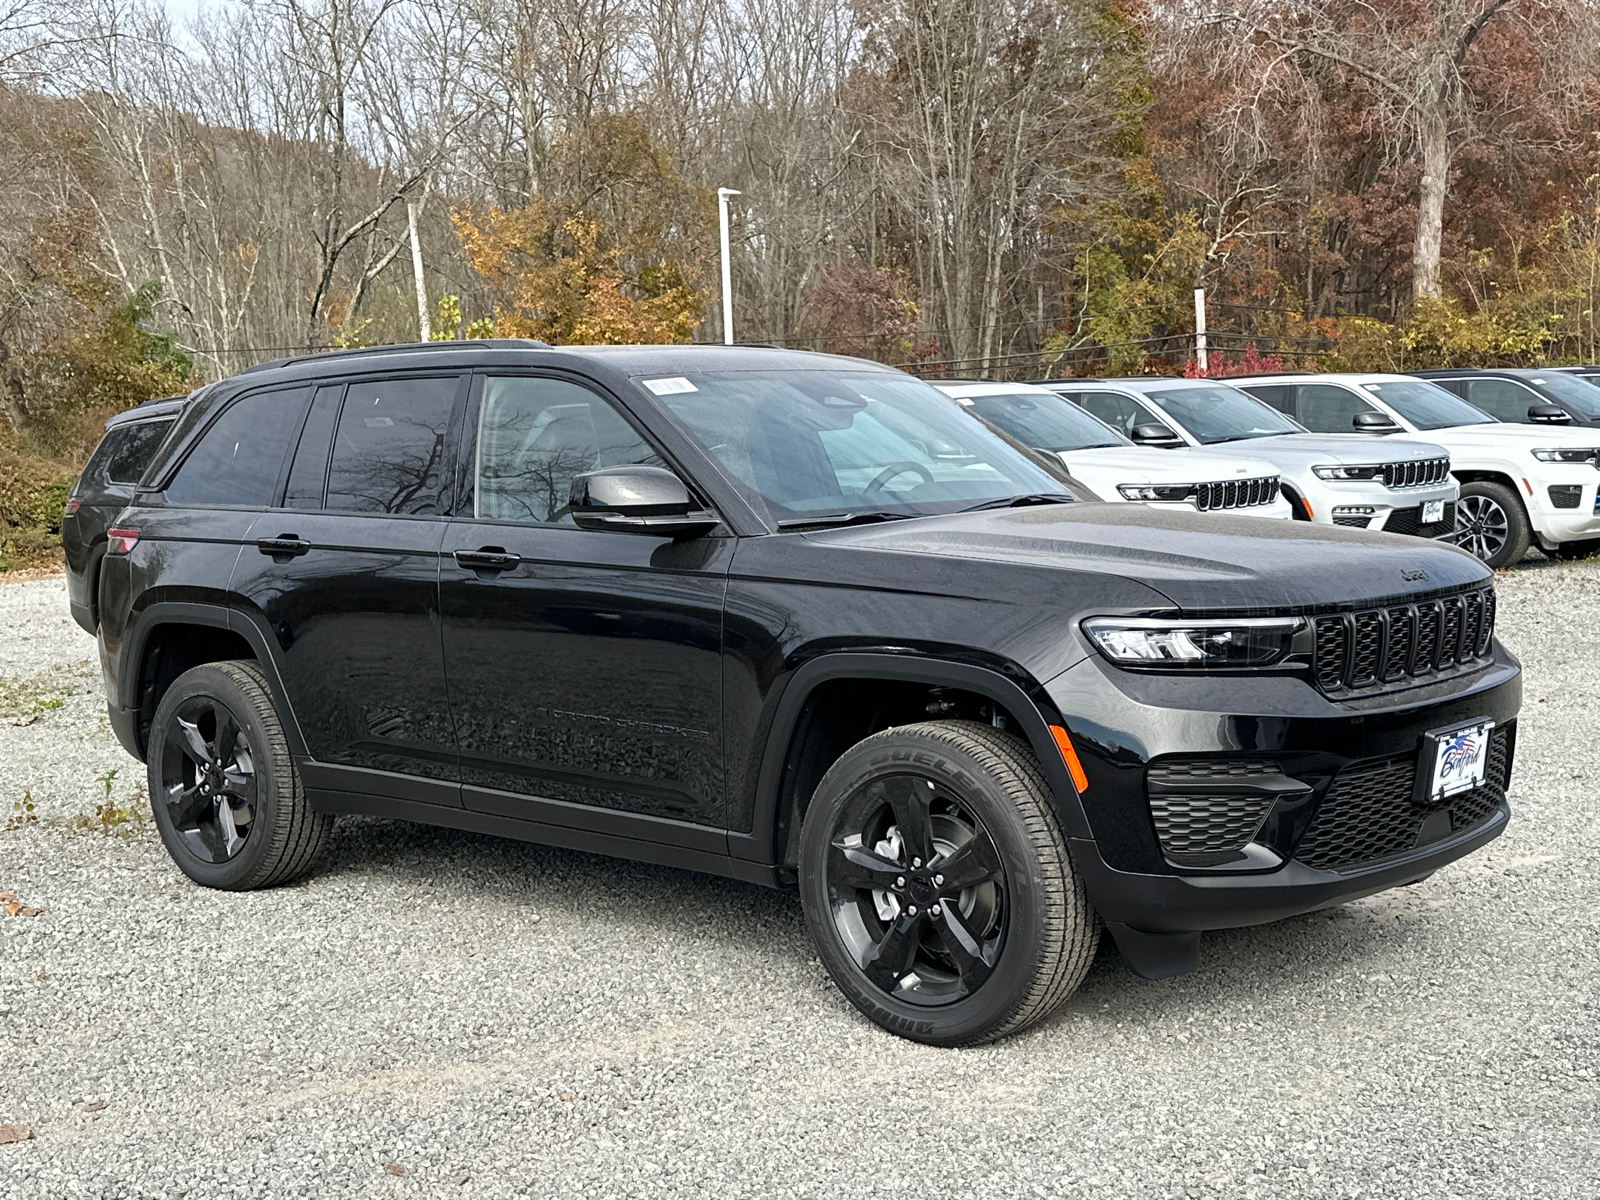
[1386, 645]
[1419, 472]
[1236, 493]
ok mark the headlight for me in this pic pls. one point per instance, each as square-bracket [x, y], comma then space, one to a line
[1158, 642]
[1170, 491]
[1371, 473]
[1561, 454]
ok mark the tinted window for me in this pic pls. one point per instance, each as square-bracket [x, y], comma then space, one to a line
[238, 459]
[1502, 399]
[131, 448]
[1279, 395]
[534, 436]
[1116, 410]
[1426, 405]
[1573, 391]
[1329, 408]
[310, 467]
[1221, 414]
[1042, 421]
[389, 448]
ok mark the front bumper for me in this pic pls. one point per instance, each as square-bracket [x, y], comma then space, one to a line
[1564, 505]
[1393, 510]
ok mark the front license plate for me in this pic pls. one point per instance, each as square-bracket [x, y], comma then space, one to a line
[1433, 512]
[1458, 759]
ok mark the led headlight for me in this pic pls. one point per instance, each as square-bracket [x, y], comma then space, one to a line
[1369, 473]
[1142, 491]
[1562, 454]
[1225, 642]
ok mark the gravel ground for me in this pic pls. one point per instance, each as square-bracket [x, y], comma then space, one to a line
[440, 1014]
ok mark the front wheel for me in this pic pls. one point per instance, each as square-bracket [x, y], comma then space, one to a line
[1492, 524]
[937, 886]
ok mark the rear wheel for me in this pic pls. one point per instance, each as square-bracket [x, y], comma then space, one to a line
[937, 886]
[1492, 524]
[224, 790]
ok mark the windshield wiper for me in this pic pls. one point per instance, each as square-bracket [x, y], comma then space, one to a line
[825, 520]
[1023, 501]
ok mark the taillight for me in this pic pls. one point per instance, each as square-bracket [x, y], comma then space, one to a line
[120, 541]
[73, 505]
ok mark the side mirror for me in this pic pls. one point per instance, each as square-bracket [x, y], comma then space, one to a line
[1156, 435]
[637, 500]
[1549, 414]
[1373, 421]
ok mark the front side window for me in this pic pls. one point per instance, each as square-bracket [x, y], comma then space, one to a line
[388, 447]
[1120, 412]
[1502, 399]
[1221, 414]
[1572, 390]
[237, 460]
[1043, 421]
[1329, 408]
[814, 442]
[534, 437]
[1426, 406]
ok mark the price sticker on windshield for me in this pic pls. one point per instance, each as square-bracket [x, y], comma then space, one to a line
[673, 386]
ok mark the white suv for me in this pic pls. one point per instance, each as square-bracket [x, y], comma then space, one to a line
[1359, 482]
[1518, 482]
[1113, 467]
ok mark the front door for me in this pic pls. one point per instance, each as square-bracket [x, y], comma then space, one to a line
[584, 667]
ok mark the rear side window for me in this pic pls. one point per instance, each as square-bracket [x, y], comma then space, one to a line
[388, 449]
[310, 468]
[133, 451]
[239, 458]
[1279, 395]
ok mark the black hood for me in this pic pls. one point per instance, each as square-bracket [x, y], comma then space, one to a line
[1198, 561]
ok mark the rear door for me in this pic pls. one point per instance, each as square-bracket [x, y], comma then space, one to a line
[343, 575]
[585, 666]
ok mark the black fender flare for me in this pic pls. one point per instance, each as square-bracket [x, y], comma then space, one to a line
[760, 844]
[215, 616]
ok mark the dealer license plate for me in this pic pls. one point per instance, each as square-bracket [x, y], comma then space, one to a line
[1433, 512]
[1459, 759]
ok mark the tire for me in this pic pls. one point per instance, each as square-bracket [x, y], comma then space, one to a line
[922, 960]
[1576, 550]
[1492, 524]
[265, 834]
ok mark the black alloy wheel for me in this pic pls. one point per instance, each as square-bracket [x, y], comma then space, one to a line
[1491, 524]
[937, 885]
[225, 793]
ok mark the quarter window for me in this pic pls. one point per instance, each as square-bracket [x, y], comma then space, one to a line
[238, 459]
[534, 436]
[133, 450]
[388, 451]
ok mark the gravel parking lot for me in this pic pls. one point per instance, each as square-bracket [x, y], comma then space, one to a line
[442, 1014]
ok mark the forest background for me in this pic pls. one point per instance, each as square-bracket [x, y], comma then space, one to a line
[1002, 188]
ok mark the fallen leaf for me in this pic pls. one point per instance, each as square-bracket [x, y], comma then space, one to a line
[41, 976]
[568, 1096]
[94, 1107]
[7, 897]
[30, 912]
[12, 908]
[394, 1168]
[14, 1133]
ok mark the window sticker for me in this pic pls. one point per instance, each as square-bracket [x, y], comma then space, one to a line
[670, 387]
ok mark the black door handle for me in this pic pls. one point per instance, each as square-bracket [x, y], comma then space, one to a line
[488, 558]
[284, 545]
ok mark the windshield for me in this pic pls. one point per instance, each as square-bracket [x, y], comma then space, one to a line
[1584, 397]
[1046, 422]
[1221, 414]
[813, 443]
[1425, 406]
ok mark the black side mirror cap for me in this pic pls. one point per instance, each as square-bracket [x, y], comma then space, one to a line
[637, 500]
[1549, 414]
[1155, 434]
[1374, 422]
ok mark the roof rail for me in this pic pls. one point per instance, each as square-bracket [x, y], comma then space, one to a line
[413, 347]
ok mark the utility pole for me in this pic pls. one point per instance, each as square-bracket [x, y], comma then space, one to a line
[727, 271]
[1200, 328]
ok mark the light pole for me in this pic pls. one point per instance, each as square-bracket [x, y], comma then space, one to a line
[727, 273]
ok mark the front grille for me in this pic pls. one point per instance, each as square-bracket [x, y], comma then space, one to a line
[1204, 828]
[1369, 812]
[1408, 521]
[1236, 493]
[1419, 472]
[1388, 645]
[1566, 495]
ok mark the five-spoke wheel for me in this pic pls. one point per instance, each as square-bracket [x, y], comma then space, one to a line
[208, 779]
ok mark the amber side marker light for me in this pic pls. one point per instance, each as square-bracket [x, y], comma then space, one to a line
[1306, 504]
[1070, 757]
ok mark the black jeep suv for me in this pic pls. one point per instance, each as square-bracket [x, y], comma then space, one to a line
[787, 618]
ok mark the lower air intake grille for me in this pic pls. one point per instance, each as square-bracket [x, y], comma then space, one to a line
[1566, 495]
[1408, 521]
[1369, 814]
[1209, 825]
